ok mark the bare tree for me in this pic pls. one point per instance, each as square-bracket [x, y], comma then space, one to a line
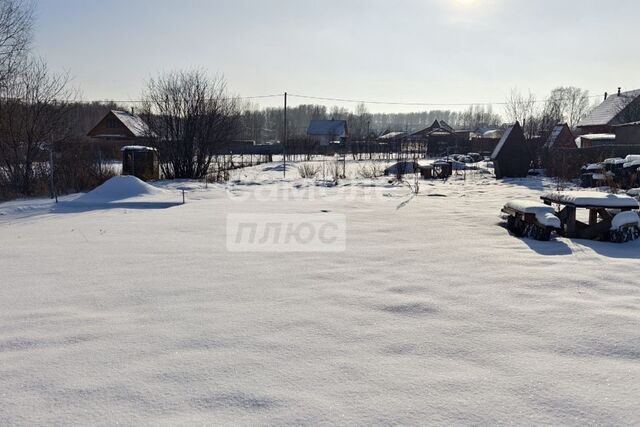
[567, 104]
[34, 111]
[16, 24]
[191, 119]
[520, 107]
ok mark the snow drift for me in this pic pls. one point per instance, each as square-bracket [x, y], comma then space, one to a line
[125, 189]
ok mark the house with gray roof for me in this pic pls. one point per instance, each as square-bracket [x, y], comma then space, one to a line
[328, 131]
[624, 107]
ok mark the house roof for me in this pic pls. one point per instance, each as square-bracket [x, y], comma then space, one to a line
[438, 126]
[391, 135]
[335, 128]
[627, 124]
[607, 112]
[132, 122]
[556, 133]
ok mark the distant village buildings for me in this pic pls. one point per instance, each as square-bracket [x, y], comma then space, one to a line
[325, 132]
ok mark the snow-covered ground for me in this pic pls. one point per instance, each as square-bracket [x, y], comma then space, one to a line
[137, 313]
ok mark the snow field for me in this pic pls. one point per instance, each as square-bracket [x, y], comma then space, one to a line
[434, 314]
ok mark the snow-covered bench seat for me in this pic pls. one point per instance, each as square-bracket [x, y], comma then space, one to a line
[625, 227]
[531, 219]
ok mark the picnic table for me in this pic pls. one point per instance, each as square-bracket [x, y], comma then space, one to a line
[602, 208]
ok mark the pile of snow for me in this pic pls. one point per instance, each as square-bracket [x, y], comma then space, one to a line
[625, 218]
[632, 163]
[545, 215]
[615, 161]
[592, 198]
[634, 192]
[123, 188]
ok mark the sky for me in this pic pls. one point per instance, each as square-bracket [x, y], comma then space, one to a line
[416, 51]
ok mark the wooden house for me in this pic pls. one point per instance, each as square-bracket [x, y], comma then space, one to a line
[614, 110]
[511, 157]
[121, 126]
[441, 138]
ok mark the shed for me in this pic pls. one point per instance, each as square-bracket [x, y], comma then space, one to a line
[560, 137]
[596, 140]
[141, 162]
[511, 157]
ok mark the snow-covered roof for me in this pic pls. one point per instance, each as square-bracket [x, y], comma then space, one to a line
[592, 198]
[137, 148]
[594, 167]
[555, 135]
[391, 135]
[438, 126]
[614, 161]
[333, 128]
[599, 136]
[607, 112]
[494, 133]
[631, 164]
[134, 123]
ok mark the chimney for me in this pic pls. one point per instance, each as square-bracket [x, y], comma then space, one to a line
[619, 91]
[606, 95]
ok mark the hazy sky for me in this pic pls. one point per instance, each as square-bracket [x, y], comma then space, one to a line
[434, 51]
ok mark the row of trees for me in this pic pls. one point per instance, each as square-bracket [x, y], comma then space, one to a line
[563, 105]
[267, 124]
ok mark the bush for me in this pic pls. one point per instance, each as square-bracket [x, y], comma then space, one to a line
[308, 170]
[370, 171]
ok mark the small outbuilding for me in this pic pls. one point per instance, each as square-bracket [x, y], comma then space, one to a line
[560, 137]
[141, 162]
[511, 157]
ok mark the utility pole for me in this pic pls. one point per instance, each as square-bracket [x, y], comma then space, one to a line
[52, 183]
[284, 140]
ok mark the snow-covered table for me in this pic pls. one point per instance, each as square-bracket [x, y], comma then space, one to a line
[598, 205]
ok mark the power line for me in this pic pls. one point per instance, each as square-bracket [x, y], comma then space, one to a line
[140, 101]
[345, 100]
[418, 104]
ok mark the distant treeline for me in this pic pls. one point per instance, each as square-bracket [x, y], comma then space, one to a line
[263, 125]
